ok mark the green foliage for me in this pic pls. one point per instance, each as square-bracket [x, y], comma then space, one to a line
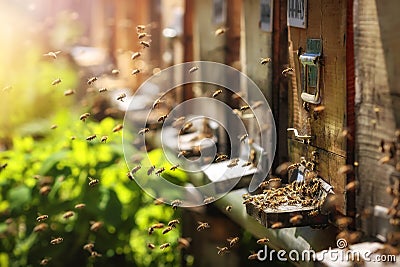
[124, 209]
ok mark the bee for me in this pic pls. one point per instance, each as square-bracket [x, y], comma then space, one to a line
[185, 128]
[40, 227]
[157, 103]
[104, 138]
[44, 190]
[158, 201]
[184, 242]
[93, 182]
[244, 108]
[351, 186]
[151, 246]
[135, 169]
[216, 93]
[140, 28]
[263, 241]
[45, 261]
[173, 168]
[296, 219]
[319, 109]
[175, 203]
[233, 163]
[135, 71]
[183, 153]
[221, 157]
[115, 72]
[165, 245]
[69, 92]
[384, 159]
[117, 128]
[141, 35]
[102, 90]
[52, 54]
[193, 69]
[3, 166]
[136, 55]
[54, 126]
[121, 97]
[42, 218]
[150, 230]
[68, 214]
[166, 230]
[130, 176]
[80, 206]
[265, 60]
[345, 169]
[243, 137]
[95, 254]
[73, 137]
[151, 169]
[253, 256]
[286, 71]
[89, 247]
[252, 157]
[277, 225]
[84, 116]
[143, 131]
[222, 251]
[56, 81]
[202, 226]
[162, 118]
[145, 44]
[158, 225]
[228, 208]
[247, 163]
[233, 241]
[173, 223]
[238, 95]
[91, 137]
[160, 170]
[56, 241]
[178, 122]
[92, 80]
[95, 226]
[208, 200]
[220, 31]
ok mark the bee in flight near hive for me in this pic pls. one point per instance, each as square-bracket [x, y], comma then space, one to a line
[193, 69]
[68, 214]
[166, 230]
[136, 55]
[208, 200]
[93, 182]
[262, 241]
[45, 261]
[150, 170]
[287, 71]
[222, 251]
[121, 97]
[220, 31]
[91, 137]
[143, 131]
[164, 246]
[84, 116]
[221, 157]
[151, 246]
[265, 60]
[173, 223]
[202, 226]
[176, 203]
[145, 44]
[42, 218]
[162, 118]
[69, 92]
[159, 171]
[104, 138]
[217, 93]
[56, 81]
[102, 90]
[92, 80]
[56, 241]
[233, 241]
[52, 54]
[173, 168]
[117, 128]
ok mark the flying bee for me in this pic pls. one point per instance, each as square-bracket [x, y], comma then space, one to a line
[160, 170]
[102, 90]
[178, 122]
[45, 261]
[247, 163]
[141, 35]
[3, 166]
[93, 182]
[145, 44]
[262, 241]
[130, 176]
[173, 168]
[217, 93]
[243, 137]
[84, 116]
[173, 223]
[140, 28]
[115, 72]
[185, 128]
[54, 126]
[135, 169]
[56, 81]
[143, 131]
[95, 254]
[158, 201]
[296, 219]
[42, 218]
[151, 246]
[351, 186]
[221, 157]
[184, 242]
[136, 55]
[69, 92]
[165, 245]
[52, 54]
[80, 206]
[150, 230]
[158, 225]
[40, 227]
[104, 138]
[68, 214]
[233, 241]
[117, 128]
[92, 80]
[233, 163]
[183, 153]
[208, 200]
[202, 226]
[228, 208]
[319, 109]
[384, 159]
[151, 169]
[166, 230]
[45, 190]
[253, 256]
[91, 137]
[222, 251]
[265, 60]
[162, 118]
[277, 225]
[252, 157]
[286, 71]
[244, 108]
[135, 71]
[157, 103]
[345, 169]
[56, 241]
[193, 69]
[121, 97]
[95, 226]
[175, 203]
[220, 31]
[238, 95]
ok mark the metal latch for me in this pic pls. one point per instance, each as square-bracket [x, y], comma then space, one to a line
[311, 69]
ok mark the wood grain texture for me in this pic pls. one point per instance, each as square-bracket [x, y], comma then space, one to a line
[377, 57]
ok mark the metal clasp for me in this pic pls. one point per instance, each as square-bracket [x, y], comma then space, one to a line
[311, 69]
